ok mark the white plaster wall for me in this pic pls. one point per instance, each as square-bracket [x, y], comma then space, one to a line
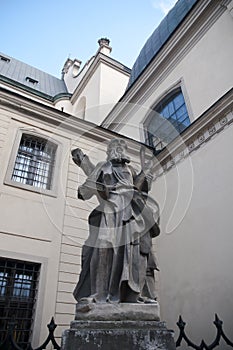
[32, 224]
[112, 87]
[205, 74]
[91, 92]
[102, 91]
[195, 246]
[47, 229]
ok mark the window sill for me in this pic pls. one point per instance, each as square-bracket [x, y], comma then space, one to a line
[37, 190]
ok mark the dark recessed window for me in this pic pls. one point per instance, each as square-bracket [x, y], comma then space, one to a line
[32, 81]
[168, 119]
[18, 289]
[34, 162]
[5, 59]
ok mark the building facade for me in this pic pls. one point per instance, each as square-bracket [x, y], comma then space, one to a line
[177, 100]
[43, 225]
[183, 74]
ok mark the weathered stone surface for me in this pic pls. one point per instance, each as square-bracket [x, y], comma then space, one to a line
[117, 259]
[115, 335]
[117, 311]
[118, 263]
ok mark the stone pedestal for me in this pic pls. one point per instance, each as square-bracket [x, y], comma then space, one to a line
[117, 327]
[118, 335]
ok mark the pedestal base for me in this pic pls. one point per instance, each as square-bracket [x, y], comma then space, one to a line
[117, 312]
[115, 335]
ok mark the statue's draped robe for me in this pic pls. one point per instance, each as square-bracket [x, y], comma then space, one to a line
[121, 230]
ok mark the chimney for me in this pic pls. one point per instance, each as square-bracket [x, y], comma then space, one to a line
[104, 46]
[76, 66]
[71, 64]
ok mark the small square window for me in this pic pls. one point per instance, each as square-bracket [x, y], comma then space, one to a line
[34, 164]
[5, 59]
[32, 81]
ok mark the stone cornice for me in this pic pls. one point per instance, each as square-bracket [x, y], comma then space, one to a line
[192, 29]
[99, 58]
[34, 110]
[211, 123]
[24, 107]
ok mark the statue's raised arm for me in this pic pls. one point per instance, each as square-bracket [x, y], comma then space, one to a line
[83, 161]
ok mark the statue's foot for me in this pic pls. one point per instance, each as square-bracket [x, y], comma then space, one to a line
[87, 300]
[150, 301]
[141, 299]
[146, 300]
[112, 300]
[131, 301]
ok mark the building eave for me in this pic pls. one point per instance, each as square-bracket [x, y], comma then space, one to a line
[32, 91]
[99, 59]
[37, 111]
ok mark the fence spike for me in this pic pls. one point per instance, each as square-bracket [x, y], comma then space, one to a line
[181, 323]
[52, 325]
[218, 323]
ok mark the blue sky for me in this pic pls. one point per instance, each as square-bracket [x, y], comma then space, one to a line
[43, 33]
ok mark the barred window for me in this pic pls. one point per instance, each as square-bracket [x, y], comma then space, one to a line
[169, 119]
[18, 289]
[34, 162]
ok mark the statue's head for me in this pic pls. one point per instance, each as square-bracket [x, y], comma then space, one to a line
[116, 150]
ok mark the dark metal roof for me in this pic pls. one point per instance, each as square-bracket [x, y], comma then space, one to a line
[160, 36]
[30, 78]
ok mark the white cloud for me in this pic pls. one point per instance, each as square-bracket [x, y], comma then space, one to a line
[164, 5]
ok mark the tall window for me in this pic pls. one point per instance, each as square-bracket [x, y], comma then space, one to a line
[34, 162]
[168, 119]
[18, 288]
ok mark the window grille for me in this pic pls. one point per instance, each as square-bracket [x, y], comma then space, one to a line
[169, 120]
[18, 289]
[34, 163]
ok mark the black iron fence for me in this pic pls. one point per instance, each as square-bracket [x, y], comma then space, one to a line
[220, 335]
[10, 344]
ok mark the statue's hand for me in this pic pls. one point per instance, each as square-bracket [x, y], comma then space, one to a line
[77, 156]
[146, 166]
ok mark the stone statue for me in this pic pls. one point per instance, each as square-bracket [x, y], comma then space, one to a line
[117, 259]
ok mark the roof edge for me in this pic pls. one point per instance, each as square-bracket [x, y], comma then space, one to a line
[33, 91]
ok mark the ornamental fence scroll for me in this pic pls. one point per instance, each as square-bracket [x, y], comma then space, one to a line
[203, 346]
[10, 344]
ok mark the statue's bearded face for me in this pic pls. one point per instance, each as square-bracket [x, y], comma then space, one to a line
[117, 150]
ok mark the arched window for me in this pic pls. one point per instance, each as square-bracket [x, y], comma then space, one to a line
[167, 120]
